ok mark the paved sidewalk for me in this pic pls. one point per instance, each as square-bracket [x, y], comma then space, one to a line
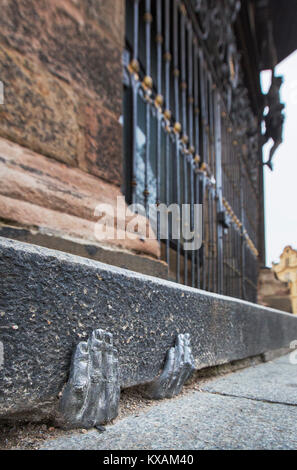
[252, 409]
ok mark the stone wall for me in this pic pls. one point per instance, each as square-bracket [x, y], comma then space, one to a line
[60, 136]
[60, 63]
[51, 198]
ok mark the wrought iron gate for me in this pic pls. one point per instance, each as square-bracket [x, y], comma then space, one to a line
[191, 136]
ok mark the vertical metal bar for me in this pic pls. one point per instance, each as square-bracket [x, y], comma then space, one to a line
[159, 103]
[212, 165]
[148, 86]
[242, 216]
[203, 197]
[159, 41]
[206, 114]
[185, 201]
[197, 199]
[204, 149]
[219, 189]
[177, 126]
[238, 255]
[221, 117]
[192, 226]
[176, 71]
[197, 146]
[167, 115]
[167, 57]
[212, 126]
[184, 121]
[183, 73]
[191, 139]
[209, 237]
[196, 104]
[136, 30]
[134, 68]
[207, 160]
[190, 86]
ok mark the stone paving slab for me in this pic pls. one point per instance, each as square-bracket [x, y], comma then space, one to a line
[203, 420]
[273, 382]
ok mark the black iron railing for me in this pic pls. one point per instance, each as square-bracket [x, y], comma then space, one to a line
[188, 139]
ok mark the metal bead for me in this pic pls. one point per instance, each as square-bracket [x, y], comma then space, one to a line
[159, 101]
[148, 17]
[167, 114]
[167, 56]
[204, 167]
[148, 82]
[177, 128]
[159, 38]
[133, 67]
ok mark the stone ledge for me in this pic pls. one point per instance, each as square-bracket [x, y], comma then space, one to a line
[105, 254]
[49, 301]
[38, 192]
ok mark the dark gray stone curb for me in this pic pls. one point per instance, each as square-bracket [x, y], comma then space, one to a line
[50, 301]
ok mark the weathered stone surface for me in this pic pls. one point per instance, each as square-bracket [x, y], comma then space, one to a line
[92, 394]
[51, 301]
[178, 368]
[33, 178]
[102, 134]
[41, 193]
[39, 111]
[62, 225]
[122, 258]
[108, 14]
[63, 89]
[80, 41]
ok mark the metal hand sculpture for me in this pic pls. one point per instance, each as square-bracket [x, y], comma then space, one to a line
[178, 369]
[91, 396]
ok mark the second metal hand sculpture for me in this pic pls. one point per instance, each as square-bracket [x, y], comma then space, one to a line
[179, 367]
